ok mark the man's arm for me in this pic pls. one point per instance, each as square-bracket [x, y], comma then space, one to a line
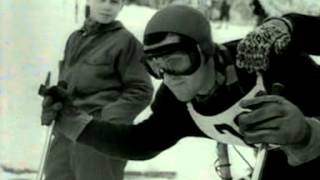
[305, 32]
[299, 33]
[134, 142]
[145, 140]
[310, 150]
[278, 35]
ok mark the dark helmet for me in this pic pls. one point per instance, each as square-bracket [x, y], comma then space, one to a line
[182, 20]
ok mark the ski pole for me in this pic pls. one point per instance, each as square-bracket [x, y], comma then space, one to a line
[48, 137]
[43, 91]
[224, 163]
[263, 149]
[44, 155]
[260, 162]
[276, 89]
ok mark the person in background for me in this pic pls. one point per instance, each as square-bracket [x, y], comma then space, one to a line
[106, 79]
[224, 17]
[259, 11]
[226, 92]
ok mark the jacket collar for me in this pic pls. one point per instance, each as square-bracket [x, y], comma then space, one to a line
[92, 27]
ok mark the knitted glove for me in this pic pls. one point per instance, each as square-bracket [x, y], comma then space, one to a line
[253, 51]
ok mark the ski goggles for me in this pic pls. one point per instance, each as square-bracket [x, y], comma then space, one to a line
[177, 60]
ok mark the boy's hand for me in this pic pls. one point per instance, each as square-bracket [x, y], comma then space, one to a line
[57, 106]
[55, 99]
[50, 110]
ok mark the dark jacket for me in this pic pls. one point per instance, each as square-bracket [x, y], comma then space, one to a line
[104, 74]
[170, 121]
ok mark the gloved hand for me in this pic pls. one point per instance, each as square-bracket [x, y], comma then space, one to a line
[58, 106]
[273, 120]
[55, 99]
[50, 110]
[253, 51]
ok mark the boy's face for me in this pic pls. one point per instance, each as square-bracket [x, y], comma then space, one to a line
[105, 11]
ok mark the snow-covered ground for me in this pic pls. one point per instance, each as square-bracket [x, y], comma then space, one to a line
[32, 37]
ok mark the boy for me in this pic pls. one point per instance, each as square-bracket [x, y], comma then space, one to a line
[106, 80]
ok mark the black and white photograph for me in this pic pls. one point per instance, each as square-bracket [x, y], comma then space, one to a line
[159, 89]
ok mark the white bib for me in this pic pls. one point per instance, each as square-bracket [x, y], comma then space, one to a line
[222, 127]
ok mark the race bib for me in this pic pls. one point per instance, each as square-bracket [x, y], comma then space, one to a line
[222, 127]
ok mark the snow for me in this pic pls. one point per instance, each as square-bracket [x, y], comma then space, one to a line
[31, 44]
[278, 8]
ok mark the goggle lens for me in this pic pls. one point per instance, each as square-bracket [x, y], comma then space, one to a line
[175, 63]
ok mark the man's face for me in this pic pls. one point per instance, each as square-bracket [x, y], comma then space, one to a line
[186, 87]
[183, 73]
[104, 11]
[180, 64]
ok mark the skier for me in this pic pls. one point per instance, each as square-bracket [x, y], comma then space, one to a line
[259, 11]
[224, 13]
[208, 91]
[102, 68]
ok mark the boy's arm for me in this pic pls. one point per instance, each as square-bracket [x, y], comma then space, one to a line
[137, 87]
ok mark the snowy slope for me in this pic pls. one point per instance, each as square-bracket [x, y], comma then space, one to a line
[278, 8]
[33, 42]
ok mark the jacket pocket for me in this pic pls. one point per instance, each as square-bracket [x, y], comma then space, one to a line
[93, 76]
[106, 59]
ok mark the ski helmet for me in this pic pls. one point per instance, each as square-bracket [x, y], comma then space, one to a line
[182, 20]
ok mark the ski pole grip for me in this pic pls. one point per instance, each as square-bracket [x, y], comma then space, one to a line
[57, 92]
[42, 90]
